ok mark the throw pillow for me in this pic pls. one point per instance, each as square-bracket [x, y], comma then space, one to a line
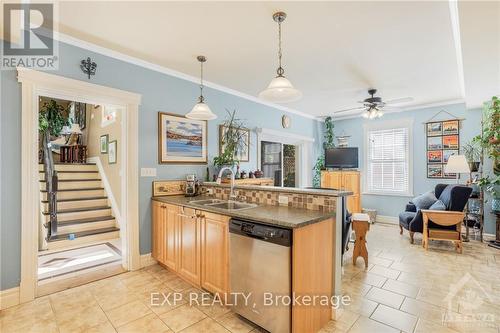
[438, 205]
[424, 201]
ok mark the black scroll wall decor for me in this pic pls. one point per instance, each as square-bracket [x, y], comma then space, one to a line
[88, 67]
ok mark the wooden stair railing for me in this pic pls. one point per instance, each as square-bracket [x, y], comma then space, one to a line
[51, 181]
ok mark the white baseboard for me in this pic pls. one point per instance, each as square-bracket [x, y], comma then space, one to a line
[387, 219]
[9, 298]
[147, 260]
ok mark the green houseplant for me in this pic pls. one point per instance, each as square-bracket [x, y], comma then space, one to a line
[490, 136]
[51, 119]
[232, 138]
[327, 143]
[472, 152]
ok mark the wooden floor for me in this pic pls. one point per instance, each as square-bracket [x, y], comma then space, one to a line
[405, 289]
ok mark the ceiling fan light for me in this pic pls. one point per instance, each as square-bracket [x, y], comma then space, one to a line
[280, 90]
[380, 113]
[201, 111]
[366, 114]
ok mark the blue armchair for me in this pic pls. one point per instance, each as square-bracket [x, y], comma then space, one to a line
[454, 197]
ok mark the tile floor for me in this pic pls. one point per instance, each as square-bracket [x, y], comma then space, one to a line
[405, 289]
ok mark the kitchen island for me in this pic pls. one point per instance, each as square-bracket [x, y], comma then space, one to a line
[193, 240]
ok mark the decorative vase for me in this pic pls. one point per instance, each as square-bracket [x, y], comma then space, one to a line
[495, 204]
[473, 166]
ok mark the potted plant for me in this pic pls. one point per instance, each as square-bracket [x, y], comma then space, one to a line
[232, 139]
[492, 187]
[472, 152]
[490, 137]
[327, 143]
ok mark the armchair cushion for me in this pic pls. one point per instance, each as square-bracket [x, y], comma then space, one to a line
[410, 208]
[405, 218]
[438, 205]
[424, 201]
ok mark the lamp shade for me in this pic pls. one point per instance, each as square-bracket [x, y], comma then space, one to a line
[457, 164]
[201, 111]
[280, 90]
[75, 129]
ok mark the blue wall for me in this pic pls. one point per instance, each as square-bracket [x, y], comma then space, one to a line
[160, 92]
[393, 205]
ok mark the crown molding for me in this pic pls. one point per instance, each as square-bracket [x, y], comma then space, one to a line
[171, 72]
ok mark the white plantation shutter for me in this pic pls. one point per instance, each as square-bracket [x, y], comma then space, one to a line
[388, 167]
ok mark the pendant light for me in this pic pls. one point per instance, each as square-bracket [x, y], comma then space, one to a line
[280, 90]
[201, 111]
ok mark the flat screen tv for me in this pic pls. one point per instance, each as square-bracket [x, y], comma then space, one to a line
[341, 158]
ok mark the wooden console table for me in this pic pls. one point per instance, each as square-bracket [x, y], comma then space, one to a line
[73, 154]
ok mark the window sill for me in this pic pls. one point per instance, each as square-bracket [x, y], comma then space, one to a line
[389, 194]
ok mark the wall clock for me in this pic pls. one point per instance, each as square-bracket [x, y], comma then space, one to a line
[285, 121]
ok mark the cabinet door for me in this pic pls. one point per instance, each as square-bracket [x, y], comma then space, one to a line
[170, 237]
[353, 204]
[188, 259]
[214, 253]
[350, 181]
[331, 179]
[157, 216]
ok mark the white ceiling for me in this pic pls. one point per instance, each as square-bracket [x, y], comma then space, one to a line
[333, 51]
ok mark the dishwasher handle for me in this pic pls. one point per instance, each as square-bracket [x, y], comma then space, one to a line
[262, 232]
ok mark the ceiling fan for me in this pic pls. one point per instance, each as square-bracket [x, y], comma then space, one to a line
[373, 106]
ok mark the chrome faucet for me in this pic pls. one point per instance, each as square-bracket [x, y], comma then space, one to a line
[219, 180]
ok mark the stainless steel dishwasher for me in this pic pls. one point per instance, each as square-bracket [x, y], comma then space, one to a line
[260, 261]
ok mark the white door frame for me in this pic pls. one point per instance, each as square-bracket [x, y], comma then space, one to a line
[304, 150]
[35, 84]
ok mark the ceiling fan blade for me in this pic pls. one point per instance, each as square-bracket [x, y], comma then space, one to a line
[351, 109]
[400, 100]
[391, 107]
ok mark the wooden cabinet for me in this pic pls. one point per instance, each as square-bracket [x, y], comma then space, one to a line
[164, 229]
[345, 180]
[189, 245]
[214, 252]
[193, 243]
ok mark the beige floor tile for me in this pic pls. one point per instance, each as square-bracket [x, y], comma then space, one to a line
[394, 318]
[102, 328]
[344, 321]
[423, 310]
[127, 313]
[385, 297]
[362, 306]
[386, 272]
[114, 297]
[177, 284]
[401, 288]
[36, 317]
[182, 317]
[370, 278]
[206, 325]
[424, 326]
[380, 261]
[80, 319]
[366, 325]
[235, 323]
[164, 303]
[148, 323]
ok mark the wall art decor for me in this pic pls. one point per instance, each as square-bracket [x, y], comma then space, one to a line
[443, 140]
[242, 153]
[181, 140]
[103, 143]
[112, 152]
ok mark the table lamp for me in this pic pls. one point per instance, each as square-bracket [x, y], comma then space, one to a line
[457, 164]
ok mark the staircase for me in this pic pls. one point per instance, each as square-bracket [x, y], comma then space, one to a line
[83, 210]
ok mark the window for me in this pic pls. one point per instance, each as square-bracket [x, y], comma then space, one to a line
[387, 157]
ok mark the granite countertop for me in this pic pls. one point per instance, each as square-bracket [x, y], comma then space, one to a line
[313, 191]
[281, 216]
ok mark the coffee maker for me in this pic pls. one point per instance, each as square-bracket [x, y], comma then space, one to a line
[191, 186]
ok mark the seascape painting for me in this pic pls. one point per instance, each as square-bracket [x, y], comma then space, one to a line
[181, 140]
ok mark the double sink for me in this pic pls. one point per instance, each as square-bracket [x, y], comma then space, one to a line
[223, 204]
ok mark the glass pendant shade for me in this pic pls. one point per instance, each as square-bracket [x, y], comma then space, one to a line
[280, 90]
[201, 111]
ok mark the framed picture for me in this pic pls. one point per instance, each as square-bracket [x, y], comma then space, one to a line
[103, 143]
[434, 143]
[435, 171]
[447, 153]
[435, 156]
[112, 152]
[450, 127]
[181, 140]
[435, 128]
[243, 153]
[450, 142]
[443, 141]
